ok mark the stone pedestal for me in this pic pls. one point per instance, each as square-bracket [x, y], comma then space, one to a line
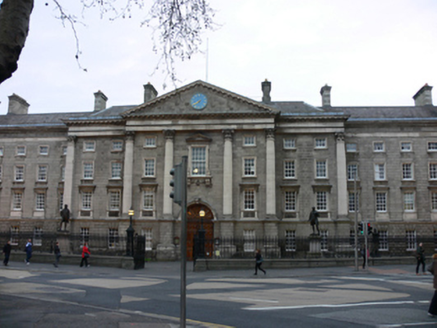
[166, 252]
[315, 246]
[63, 239]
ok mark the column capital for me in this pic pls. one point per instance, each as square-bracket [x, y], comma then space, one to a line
[169, 134]
[72, 138]
[339, 136]
[270, 133]
[130, 135]
[228, 134]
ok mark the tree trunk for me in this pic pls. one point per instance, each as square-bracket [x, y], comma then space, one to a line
[14, 27]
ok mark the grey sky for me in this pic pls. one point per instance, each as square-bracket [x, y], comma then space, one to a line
[370, 52]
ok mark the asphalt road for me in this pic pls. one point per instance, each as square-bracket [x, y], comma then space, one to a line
[40, 295]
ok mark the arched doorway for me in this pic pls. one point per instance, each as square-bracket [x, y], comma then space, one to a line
[194, 223]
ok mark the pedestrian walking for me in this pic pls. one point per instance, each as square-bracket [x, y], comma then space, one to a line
[420, 256]
[433, 269]
[85, 255]
[57, 254]
[7, 251]
[365, 256]
[28, 250]
[258, 262]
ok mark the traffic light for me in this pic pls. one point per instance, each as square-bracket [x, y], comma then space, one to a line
[178, 183]
[361, 228]
[369, 229]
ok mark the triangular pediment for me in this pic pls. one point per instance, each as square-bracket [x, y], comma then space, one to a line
[199, 99]
[198, 138]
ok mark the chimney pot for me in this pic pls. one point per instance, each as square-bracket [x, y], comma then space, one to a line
[99, 101]
[423, 97]
[17, 105]
[150, 92]
[266, 87]
[325, 91]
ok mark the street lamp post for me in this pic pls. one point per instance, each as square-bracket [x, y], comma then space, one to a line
[201, 236]
[130, 235]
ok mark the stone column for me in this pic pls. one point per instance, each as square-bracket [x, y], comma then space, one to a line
[342, 195]
[69, 172]
[270, 174]
[128, 172]
[227, 173]
[168, 164]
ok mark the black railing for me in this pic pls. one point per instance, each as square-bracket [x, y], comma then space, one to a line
[234, 247]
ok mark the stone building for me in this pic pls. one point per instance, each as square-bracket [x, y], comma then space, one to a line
[255, 169]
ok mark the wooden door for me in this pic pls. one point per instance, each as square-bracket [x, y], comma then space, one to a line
[194, 222]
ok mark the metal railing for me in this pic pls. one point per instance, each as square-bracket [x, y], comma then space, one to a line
[233, 247]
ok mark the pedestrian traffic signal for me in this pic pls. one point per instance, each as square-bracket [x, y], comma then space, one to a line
[361, 228]
[369, 229]
[178, 183]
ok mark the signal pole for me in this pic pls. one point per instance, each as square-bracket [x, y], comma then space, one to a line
[356, 222]
[184, 243]
[179, 195]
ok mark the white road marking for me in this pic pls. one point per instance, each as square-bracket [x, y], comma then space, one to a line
[251, 300]
[326, 306]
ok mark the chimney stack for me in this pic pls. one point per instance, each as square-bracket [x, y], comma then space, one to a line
[150, 92]
[99, 101]
[17, 105]
[266, 87]
[325, 91]
[423, 97]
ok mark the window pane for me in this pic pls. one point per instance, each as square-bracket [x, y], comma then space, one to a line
[322, 204]
[249, 200]
[114, 201]
[289, 169]
[289, 143]
[116, 170]
[40, 201]
[321, 169]
[409, 201]
[249, 166]
[88, 170]
[352, 171]
[290, 201]
[149, 200]
[381, 202]
[149, 168]
[198, 160]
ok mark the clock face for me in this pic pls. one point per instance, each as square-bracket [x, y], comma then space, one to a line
[199, 101]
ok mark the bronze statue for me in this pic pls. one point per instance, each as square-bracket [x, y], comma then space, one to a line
[314, 220]
[65, 215]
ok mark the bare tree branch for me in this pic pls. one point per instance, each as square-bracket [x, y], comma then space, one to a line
[177, 26]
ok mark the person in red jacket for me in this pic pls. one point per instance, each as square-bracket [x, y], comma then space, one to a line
[85, 255]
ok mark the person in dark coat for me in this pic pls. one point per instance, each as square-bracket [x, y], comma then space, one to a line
[433, 269]
[28, 251]
[420, 256]
[7, 251]
[57, 254]
[258, 262]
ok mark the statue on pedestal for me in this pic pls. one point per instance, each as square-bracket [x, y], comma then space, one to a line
[314, 220]
[65, 215]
